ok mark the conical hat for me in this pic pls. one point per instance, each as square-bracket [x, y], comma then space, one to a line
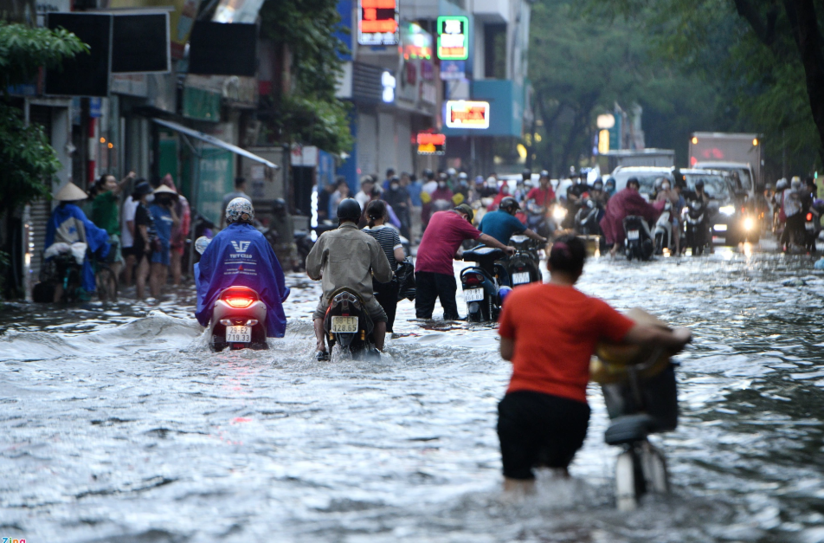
[163, 189]
[70, 192]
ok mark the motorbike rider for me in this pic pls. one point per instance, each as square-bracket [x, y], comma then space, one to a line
[543, 195]
[699, 193]
[625, 203]
[677, 202]
[68, 226]
[549, 332]
[502, 223]
[239, 255]
[434, 275]
[348, 257]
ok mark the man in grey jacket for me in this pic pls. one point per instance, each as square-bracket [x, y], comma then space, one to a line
[348, 257]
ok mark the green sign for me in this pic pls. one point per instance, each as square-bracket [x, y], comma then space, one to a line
[453, 38]
[202, 105]
[214, 182]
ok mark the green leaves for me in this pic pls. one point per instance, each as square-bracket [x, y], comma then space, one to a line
[23, 50]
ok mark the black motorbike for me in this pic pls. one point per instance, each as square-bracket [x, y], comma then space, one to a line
[524, 266]
[696, 226]
[811, 232]
[586, 221]
[348, 324]
[480, 283]
[637, 240]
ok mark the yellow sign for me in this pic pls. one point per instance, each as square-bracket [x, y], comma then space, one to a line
[604, 141]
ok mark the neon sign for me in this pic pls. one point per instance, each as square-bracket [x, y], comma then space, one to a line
[431, 144]
[378, 22]
[453, 38]
[416, 43]
[464, 114]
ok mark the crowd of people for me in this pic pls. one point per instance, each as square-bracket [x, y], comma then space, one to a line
[787, 205]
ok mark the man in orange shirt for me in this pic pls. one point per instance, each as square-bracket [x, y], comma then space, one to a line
[549, 332]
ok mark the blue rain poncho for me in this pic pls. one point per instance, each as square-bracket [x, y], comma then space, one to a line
[68, 224]
[241, 256]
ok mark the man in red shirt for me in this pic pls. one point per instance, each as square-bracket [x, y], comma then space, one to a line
[543, 195]
[434, 276]
[549, 332]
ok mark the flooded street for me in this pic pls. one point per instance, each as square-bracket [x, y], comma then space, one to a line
[118, 424]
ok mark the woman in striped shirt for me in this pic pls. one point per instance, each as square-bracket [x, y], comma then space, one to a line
[387, 237]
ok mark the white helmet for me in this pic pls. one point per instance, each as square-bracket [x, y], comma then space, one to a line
[781, 184]
[239, 209]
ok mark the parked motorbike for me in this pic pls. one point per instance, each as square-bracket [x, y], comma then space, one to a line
[524, 266]
[696, 229]
[637, 241]
[348, 324]
[662, 231]
[481, 283]
[640, 402]
[238, 318]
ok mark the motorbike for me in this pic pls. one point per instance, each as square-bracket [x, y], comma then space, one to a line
[637, 242]
[811, 232]
[586, 221]
[481, 283]
[696, 230]
[348, 324]
[662, 231]
[524, 266]
[641, 404]
[238, 318]
[537, 220]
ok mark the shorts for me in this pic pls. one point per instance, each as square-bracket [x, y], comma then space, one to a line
[374, 310]
[539, 430]
[128, 251]
[114, 241]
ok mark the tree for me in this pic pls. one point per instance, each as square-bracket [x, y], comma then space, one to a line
[27, 161]
[310, 113]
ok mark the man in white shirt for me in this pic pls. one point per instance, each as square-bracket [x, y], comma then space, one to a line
[364, 196]
[127, 237]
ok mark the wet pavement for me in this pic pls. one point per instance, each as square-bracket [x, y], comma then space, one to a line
[118, 424]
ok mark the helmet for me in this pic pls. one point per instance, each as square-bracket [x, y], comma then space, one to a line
[428, 173]
[509, 204]
[503, 292]
[451, 171]
[544, 173]
[349, 210]
[278, 205]
[700, 184]
[239, 209]
[462, 175]
[782, 184]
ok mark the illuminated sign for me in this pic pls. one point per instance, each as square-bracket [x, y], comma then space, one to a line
[378, 22]
[431, 144]
[604, 141]
[463, 114]
[453, 38]
[388, 84]
[416, 43]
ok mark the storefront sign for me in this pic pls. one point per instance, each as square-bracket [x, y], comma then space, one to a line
[431, 144]
[453, 38]
[452, 70]
[378, 22]
[388, 84]
[416, 43]
[464, 114]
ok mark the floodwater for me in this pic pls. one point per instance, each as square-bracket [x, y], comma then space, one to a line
[118, 424]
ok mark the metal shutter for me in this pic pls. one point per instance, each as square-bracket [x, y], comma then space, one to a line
[367, 148]
[39, 212]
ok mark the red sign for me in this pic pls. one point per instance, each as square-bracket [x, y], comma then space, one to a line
[378, 22]
[431, 144]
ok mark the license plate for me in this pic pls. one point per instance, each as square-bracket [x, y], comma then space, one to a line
[809, 226]
[633, 234]
[521, 278]
[720, 227]
[238, 334]
[474, 295]
[344, 325]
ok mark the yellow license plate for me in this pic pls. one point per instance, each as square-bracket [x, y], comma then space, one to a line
[344, 325]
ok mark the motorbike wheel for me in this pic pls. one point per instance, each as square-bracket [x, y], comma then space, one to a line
[217, 344]
[655, 470]
[630, 482]
[659, 249]
[646, 249]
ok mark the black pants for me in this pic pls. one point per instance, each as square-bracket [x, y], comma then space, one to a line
[428, 287]
[387, 296]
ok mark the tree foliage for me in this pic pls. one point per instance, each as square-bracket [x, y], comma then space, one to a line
[310, 113]
[27, 161]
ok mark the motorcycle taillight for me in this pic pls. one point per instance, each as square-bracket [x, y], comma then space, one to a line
[239, 297]
[473, 279]
[809, 217]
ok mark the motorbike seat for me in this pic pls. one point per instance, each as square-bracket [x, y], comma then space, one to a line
[483, 254]
[518, 239]
[629, 428]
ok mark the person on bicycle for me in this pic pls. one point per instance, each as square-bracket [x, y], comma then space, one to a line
[69, 226]
[549, 332]
[348, 257]
[239, 255]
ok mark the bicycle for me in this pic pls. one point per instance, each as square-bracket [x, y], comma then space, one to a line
[105, 278]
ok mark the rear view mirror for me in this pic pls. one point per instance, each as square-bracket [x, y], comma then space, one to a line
[201, 244]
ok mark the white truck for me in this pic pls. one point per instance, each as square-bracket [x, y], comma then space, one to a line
[740, 154]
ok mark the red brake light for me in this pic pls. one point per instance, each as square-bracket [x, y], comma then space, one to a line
[239, 297]
[472, 279]
[809, 217]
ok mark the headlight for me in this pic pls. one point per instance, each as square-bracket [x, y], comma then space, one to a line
[559, 213]
[727, 210]
[747, 224]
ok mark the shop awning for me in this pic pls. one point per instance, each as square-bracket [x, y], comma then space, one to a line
[211, 140]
